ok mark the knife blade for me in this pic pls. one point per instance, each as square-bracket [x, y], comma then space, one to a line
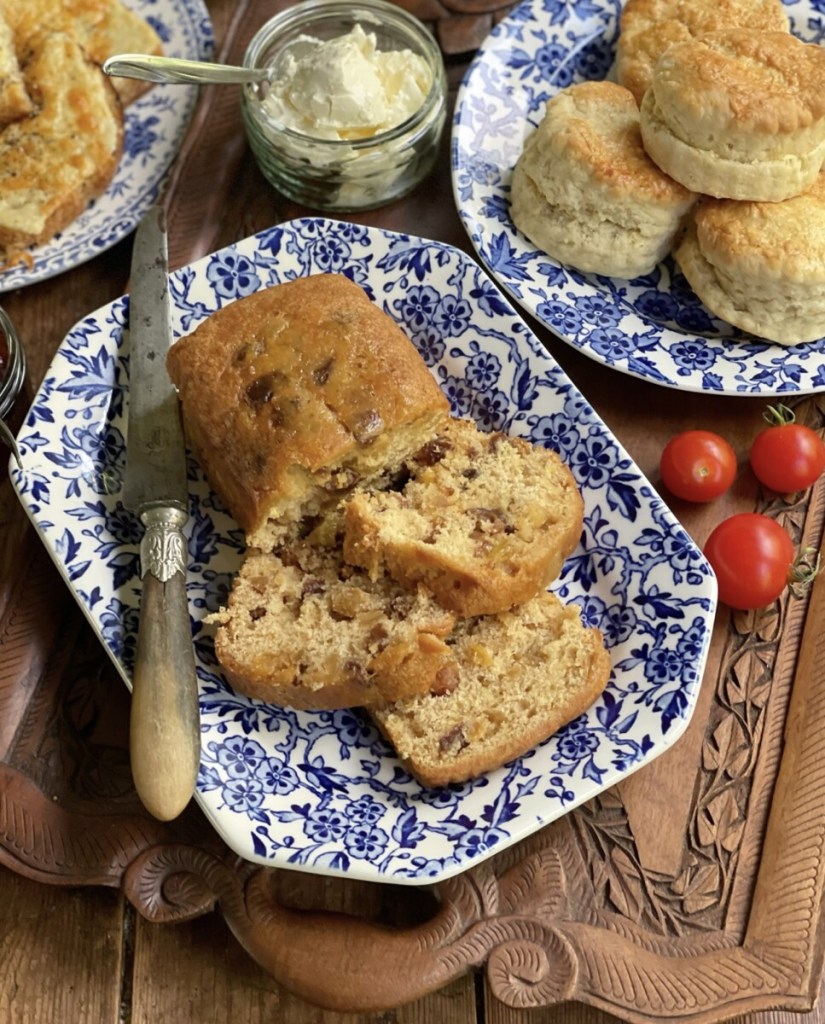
[164, 727]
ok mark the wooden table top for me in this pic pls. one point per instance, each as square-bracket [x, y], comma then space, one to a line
[691, 891]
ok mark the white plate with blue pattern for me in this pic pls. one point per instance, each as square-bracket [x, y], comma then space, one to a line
[653, 327]
[322, 791]
[154, 127]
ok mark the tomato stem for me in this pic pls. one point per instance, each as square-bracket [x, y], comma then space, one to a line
[779, 415]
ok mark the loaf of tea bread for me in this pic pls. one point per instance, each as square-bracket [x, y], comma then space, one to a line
[295, 395]
[53, 161]
[648, 27]
[585, 191]
[761, 266]
[523, 675]
[304, 630]
[738, 114]
[101, 27]
[484, 522]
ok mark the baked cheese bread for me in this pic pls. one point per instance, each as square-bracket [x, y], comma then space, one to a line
[66, 152]
[101, 27]
[15, 101]
[648, 27]
[738, 114]
[585, 191]
[761, 266]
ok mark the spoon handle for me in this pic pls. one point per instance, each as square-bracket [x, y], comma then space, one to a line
[177, 71]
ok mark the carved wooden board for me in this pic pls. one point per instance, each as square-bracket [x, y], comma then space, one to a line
[691, 891]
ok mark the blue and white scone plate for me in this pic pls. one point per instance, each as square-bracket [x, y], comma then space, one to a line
[653, 327]
[321, 791]
[155, 125]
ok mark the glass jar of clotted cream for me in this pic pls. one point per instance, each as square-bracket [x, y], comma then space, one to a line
[354, 108]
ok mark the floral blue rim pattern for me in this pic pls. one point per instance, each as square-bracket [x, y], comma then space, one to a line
[154, 129]
[321, 791]
[653, 327]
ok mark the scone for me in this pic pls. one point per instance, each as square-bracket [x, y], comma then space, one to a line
[585, 191]
[101, 27]
[295, 395]
[524, 674]
[648, 27]
[738, 114]
[303, 630]
[484, 522]
[761, 266]
[65, 153]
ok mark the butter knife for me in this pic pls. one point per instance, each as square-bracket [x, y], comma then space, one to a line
[164, 728]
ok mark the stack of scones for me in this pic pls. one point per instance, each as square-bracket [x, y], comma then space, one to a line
[710, 147]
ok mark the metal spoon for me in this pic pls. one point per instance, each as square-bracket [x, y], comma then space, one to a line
[174, 70]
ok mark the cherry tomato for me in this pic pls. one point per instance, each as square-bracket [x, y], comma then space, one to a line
[697, 465]
[787, 456]
[753, 558]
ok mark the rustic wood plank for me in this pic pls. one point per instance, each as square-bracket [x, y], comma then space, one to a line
[60, 953]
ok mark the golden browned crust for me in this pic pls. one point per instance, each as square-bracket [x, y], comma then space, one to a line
[745, 81]
[761, 266]
[296, 394]
[648, 27]
[484, 523]
[15, 101]
[102, 27]
[66, 153]
[585, 190]
[738, 114]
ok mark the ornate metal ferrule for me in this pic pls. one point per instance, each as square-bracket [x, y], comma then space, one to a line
[163, 548]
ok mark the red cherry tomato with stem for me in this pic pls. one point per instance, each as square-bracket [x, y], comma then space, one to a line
[787, 456]
[697, 465]
[754, 559]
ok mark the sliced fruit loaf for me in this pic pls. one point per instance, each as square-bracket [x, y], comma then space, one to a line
[523, 675]
[304, 630]
[484, 522]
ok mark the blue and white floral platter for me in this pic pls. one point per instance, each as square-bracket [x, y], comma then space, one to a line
[322, 791]
[155, 125]
[653, 327]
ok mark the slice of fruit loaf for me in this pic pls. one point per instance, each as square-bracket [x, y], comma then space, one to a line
[524, 674]
[304, 630]
[484, 523]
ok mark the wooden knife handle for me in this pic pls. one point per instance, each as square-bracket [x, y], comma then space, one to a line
[164, 724]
